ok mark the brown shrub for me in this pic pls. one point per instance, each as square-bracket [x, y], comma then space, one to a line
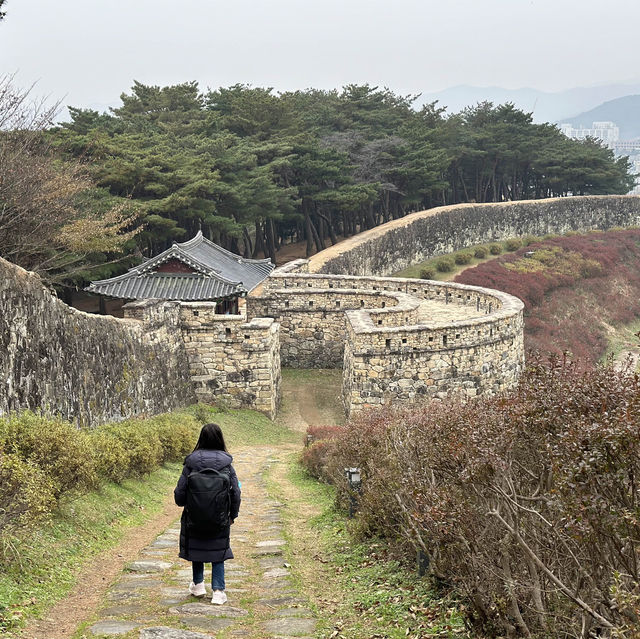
[445, 264]
[480, 252]
[527, 502]
[142, 443]
[513, 244]
[464, 257]
[427, 272]
[27, 495]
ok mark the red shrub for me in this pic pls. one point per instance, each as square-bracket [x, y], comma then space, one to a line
[527, 502]
[324, 431]
[570, 287]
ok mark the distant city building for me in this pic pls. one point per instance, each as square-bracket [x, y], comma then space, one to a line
[635, 167]
[627, 147]
[608, 132]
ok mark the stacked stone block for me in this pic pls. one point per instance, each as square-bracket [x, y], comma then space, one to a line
[86, 368]
[371, 327]
[232, 359]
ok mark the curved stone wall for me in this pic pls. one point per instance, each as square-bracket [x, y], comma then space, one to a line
[376, 329]
[473, 356]
[394, 246]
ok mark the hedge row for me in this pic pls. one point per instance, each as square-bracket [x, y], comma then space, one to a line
[43, 459]
[528, 503]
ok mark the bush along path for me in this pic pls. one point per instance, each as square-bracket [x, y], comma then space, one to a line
[150, 599]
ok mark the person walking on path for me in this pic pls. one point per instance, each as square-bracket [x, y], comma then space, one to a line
[209, 491]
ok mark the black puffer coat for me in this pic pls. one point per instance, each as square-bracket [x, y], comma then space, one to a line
[215, 547]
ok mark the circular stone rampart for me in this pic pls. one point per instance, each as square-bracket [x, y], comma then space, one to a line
[398, 244]
[397, 339]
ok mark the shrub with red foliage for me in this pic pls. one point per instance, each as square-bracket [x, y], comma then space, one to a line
[570, 287]
[527, 502]
[323, 431]
[315, 455]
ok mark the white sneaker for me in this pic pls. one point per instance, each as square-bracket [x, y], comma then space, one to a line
[197, 590]
[219, 597]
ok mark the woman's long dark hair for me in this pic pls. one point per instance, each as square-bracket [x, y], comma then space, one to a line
[211, 438]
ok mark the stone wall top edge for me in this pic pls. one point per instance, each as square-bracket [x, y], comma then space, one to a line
[290, 267]
[196, 304]
[508, 302]
[259, 323]
[360, 322]
[317, 261]
[404, 280]
[331, 291]
[35, 280]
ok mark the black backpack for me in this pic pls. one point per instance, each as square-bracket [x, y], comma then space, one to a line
[208, 506]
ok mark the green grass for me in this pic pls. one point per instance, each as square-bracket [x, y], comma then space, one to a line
[414, 270]
[311, 374]
[370, 592]
[46, 562]
[623, 339]
[244, 427]
[41, 566]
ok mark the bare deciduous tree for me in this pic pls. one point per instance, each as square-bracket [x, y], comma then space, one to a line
[43, 227]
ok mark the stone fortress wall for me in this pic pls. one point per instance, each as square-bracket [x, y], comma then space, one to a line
[232, 359]
[96, 368]
[340, 308]
[394, 246]
[378, 330]
[88, 368]
[393, 351]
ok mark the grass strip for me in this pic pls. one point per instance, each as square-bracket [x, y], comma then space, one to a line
[46, 562]
[359, 590]
[244, 427]
[431, 265]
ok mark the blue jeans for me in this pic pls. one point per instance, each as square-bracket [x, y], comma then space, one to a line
[217, 574]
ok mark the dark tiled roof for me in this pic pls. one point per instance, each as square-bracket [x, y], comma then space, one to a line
[219, 273]
[166, 286]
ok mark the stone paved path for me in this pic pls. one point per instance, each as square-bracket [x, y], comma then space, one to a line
[433, 312]
[151, 601]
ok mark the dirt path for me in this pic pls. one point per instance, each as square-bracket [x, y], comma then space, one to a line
[139, 588]
[150, 599]
[62, 620]
[311, 398]
[628, 360]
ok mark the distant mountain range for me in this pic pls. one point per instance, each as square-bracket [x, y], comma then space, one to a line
[545, 106]
[625, 112]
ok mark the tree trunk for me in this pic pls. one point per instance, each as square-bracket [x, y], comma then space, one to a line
[316, 237]
[271, 244]
[370, 221]
[332, 234]
[248, 246]
[307, 227]
[259, 246]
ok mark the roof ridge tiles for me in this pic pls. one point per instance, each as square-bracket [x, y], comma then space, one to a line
[240, 274]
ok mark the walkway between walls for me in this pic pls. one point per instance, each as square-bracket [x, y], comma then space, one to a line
[148, 599]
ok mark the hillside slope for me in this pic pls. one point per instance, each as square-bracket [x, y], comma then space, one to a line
[574, 288]
[546, 106]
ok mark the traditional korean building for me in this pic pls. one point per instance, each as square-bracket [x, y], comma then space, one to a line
[197, 270]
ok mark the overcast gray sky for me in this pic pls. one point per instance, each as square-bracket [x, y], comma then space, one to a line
[87, 52]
